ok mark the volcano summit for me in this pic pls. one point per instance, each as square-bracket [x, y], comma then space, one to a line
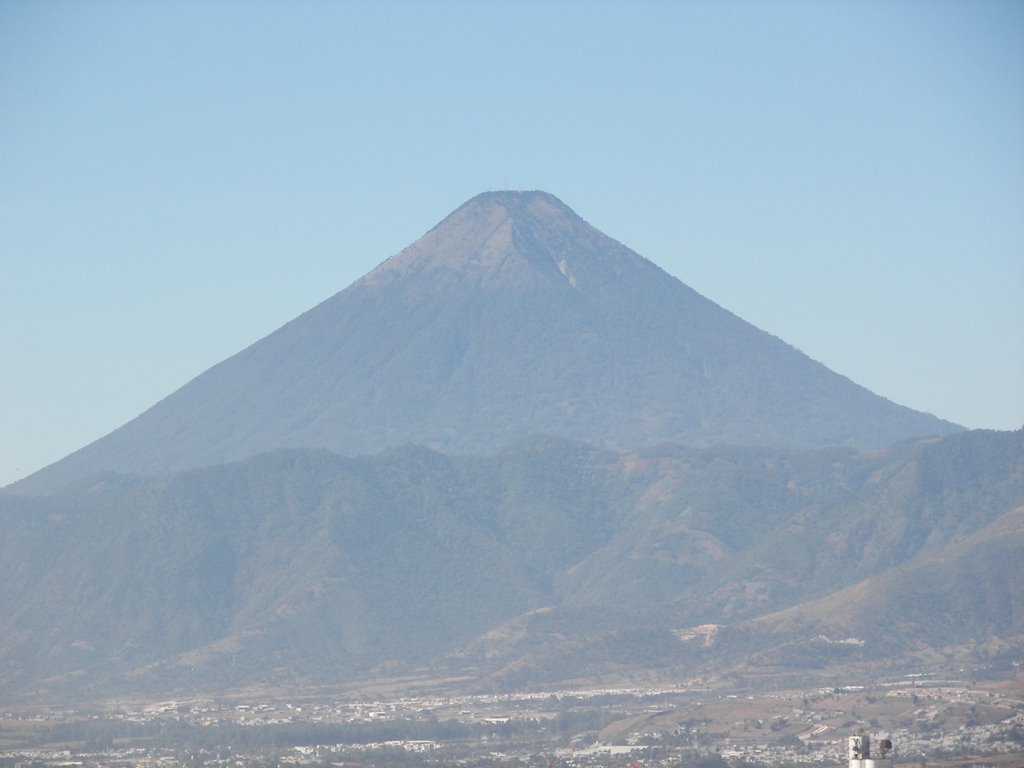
[511, 317]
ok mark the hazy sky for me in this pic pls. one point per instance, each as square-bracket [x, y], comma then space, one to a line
[178, 179]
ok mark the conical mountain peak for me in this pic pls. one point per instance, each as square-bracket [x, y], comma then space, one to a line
[532, 208]
[515, 200]
[499, 237]
[512, 317]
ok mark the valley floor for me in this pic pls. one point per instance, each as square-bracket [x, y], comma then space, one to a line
[938, 723]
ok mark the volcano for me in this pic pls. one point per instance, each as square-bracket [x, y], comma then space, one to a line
[512, 317]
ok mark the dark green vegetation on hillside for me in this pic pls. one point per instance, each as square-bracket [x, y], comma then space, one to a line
[548, 562]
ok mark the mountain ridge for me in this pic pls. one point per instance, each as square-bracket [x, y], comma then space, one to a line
[547, 560]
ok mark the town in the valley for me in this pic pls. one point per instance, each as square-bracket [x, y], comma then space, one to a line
[927, 721]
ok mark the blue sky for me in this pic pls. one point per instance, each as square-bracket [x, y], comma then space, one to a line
[178, 179]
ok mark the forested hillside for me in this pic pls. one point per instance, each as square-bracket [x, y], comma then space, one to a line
[550, 560]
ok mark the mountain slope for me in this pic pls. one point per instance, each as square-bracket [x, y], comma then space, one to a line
[964, 599]
[549, 560]
[915, 553]
[299, 559]
[512, 317]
